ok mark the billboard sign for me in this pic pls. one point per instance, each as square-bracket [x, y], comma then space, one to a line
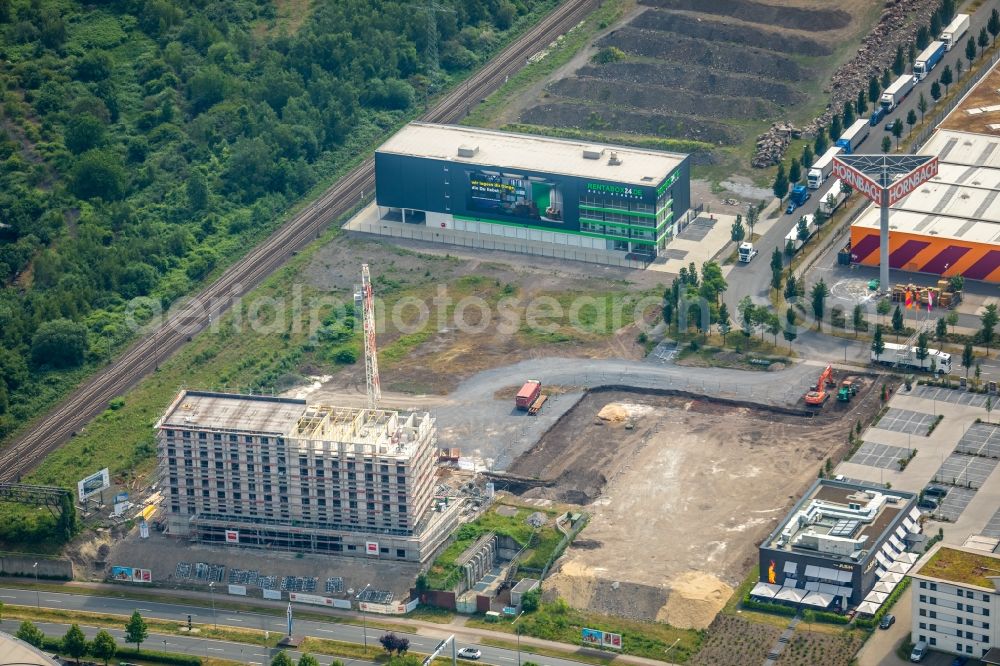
[371, 547]
[613, 641]
[131, 575]
[313, 599]
[911, 181]
[123, 574]
[240, 590]
[121, 497]
[602, 639]
[272, 594]
[857, 181]
[232, 537]
[93, 484]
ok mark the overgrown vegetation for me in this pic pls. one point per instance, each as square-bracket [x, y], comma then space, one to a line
[144, 144]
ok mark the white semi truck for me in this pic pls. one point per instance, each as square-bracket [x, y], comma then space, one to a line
[895, 93]
[954, 31]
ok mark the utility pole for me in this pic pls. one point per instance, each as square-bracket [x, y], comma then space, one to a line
[432, 9]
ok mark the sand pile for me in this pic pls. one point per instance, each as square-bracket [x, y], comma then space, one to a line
[695, 599]
[619, 412]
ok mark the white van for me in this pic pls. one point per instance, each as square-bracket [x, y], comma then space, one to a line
[919, 651]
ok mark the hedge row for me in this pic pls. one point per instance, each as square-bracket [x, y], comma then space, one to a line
[765, 607]
[54, 645]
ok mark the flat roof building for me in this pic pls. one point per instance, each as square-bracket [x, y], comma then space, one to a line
[535, 188]
[956, 600]
[279, 473]
[836, 544]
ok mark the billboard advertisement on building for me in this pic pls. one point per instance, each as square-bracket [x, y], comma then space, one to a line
[232, 537]
[515, 196]
[93, 484]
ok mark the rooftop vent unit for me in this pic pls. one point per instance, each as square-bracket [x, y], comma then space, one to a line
[466, 150]
[613, 160]
[592, 152]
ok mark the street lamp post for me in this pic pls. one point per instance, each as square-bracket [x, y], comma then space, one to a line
[517, 630]
[364, 617]
[211, 590]
[38, 598]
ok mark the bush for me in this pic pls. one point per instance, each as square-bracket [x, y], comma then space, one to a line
[766, 607]
[529, 601]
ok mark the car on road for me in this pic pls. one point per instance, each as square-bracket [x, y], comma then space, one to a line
[887, 621]
[935, 491]
[470, 653]
[959, 661]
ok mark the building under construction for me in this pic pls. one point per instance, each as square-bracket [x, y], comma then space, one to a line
[268, 472]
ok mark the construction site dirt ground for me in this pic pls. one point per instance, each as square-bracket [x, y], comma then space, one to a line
[985, 95]
[681, 491]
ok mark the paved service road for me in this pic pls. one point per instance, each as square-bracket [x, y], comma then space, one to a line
[203, 616]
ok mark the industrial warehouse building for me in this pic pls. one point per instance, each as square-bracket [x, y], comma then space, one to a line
[842, 546]
[951, 224]
[534, 188]
[956, 601]
[276, 473]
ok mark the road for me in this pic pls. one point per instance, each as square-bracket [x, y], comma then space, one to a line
[754, 279]
[424, 642]
[144, 356]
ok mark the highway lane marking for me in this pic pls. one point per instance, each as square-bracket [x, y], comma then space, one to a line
[144, 610]
[54, 601]
[234, 619]
[216, 649]
[506, 658]
[6, 596]
[326, 631]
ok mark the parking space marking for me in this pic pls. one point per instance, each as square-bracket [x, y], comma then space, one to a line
[960, 469]
[905, 421]
[954, 503]
[981, 439]
[954, 396]
[992, 528]
[884, 456]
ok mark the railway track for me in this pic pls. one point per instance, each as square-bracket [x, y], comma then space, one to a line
[143, 356]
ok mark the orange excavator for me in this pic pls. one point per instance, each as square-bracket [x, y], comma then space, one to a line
[818, 394]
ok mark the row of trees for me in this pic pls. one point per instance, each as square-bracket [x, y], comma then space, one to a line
[76, 645]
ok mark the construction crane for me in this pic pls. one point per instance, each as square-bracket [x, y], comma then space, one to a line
[818, 394]
[371, 352]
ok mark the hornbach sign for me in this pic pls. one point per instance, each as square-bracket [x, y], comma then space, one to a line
[857, 181]
[912, 181]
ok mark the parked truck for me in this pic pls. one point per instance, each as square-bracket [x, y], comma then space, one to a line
[832, 199]
[528, 394]
[747, 252]
[897, 92]
[793, 240]
[954, 31]
[927, 59]
[800, 194]
[854, 136]
[822, 168]
[906, 356]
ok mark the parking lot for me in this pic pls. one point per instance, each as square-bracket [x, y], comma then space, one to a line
[960, 469]
[952, 505]
[981, 439]
[950, 395]
[905, 421]
[880, 455]
[992, 528]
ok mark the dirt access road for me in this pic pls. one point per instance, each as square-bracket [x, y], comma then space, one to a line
[679, 501]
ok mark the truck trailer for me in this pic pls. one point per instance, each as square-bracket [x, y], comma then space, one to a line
[906, 356]
[822, 168]
[854, 136]
[897, 92]
[528, 394]
[832, 199]
[927, 59]
[954, 31]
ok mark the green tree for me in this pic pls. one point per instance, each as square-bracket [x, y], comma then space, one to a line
[738, 232]
[848, 114]
[206, 88]
[725, 325]
[886, 78]
[74, 643]
[790, 287]
[911, 53]
[858, 319]
[922, 351]
[84, 132]
[897, 131]
[988, 321]
[946, 77]
[776, 275]
[59, 343]
[897, 322]
[746, 311]
[958, 70]
[874, 90]
[795, 172]
[773, 324]
[836, 128]
[282, 659]
[802, 229]
[776, 261]
[861, 104]
[983, 40]
[922, 106]
[923, 37]
[95, 65]
[753, 214]
[878, 344]
[197, 191]
[30, 634]
[936, 91]
[103, 646]
[935, 27]
[952, 319]
[790, 332]
[307, 660]
[911, 118]
[818, 296]
[993, 24]
[136, 630]
[531, 600]
[899, 63]
[66, 523]
[882, 308]
[780, 183]
[807, 156]
[820, 143]
[98, 174]
[886, 144]
[940, 328]
[970, 51]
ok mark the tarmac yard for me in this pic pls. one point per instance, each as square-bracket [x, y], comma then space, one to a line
[681, 491]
